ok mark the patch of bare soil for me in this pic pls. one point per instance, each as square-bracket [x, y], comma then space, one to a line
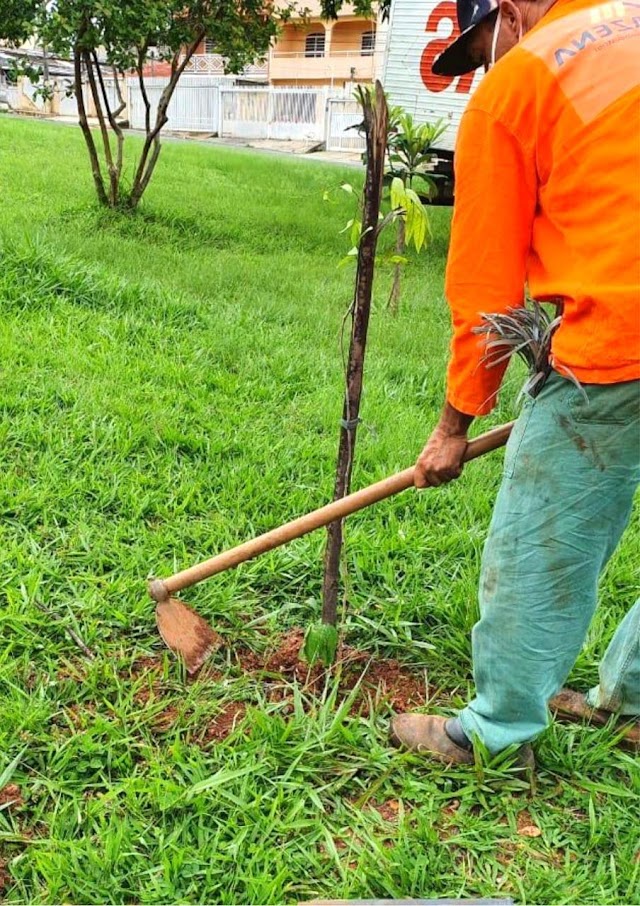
[74, 671]
[80, 714]
[526, 826]
[225, 722]
[388, 810]
[280, 665]
[166, 719]
[146, 664]
[5, 877]
[385, 679]
[151, 694]
[277, 668]
[399, 687]
[283, 659]
[11, 795]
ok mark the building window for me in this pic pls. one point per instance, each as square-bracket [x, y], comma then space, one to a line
[368, 43]
[314, 44]
[209, 45]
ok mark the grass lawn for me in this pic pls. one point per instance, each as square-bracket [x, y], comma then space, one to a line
[170, 384]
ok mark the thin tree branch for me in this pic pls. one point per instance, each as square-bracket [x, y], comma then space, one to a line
[112, 116]
[146, 165]
[70, 632]
[123, 103]
[142, 52]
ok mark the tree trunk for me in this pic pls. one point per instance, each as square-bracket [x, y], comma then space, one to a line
[114, 177]
[86, 131]
[394, 297]
[112, 116]
[376, 125]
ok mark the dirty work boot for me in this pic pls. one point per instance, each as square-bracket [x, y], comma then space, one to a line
[569, 705]
[442, 739]
[426, 734]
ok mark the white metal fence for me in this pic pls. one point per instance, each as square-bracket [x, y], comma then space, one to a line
[342, 115]
[213, 104]
[273, 113]
[193, 107]
[30, 91]
[13, 95]
[26, 97]
[68, 106]
[113, 97]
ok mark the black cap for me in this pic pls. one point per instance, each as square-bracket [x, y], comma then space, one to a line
[455, 60]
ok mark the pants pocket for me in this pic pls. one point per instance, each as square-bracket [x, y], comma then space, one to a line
[606, 404]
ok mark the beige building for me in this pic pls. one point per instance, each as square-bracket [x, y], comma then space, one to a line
[315, 52]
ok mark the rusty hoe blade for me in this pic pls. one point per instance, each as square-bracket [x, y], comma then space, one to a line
[182, 629]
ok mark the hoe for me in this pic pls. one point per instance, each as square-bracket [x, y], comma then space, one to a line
[189, 636]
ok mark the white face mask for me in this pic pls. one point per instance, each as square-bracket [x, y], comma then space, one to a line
[494, 40]
[496, 32]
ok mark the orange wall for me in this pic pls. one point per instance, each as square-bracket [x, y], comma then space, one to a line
[293, 37]
[348, 35]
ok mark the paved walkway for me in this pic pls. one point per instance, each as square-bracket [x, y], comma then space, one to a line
[272, 146]
[303, 150]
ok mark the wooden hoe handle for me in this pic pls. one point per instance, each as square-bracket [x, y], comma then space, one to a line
[160, 589]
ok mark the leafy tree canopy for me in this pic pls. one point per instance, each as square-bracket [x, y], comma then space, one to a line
[242, 29]
[17, 20]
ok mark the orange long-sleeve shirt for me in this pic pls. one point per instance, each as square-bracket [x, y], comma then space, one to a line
[548, 194]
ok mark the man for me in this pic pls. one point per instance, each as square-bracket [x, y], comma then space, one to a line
[547, 193]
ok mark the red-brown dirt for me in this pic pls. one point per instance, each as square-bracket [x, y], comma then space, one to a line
[11, 795]
[5, 877]
[225, 722]
[383, 678]
[277, 668]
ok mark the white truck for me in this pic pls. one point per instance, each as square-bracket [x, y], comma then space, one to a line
[418, 31]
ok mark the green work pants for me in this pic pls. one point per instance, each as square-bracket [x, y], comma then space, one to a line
[572, 465]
